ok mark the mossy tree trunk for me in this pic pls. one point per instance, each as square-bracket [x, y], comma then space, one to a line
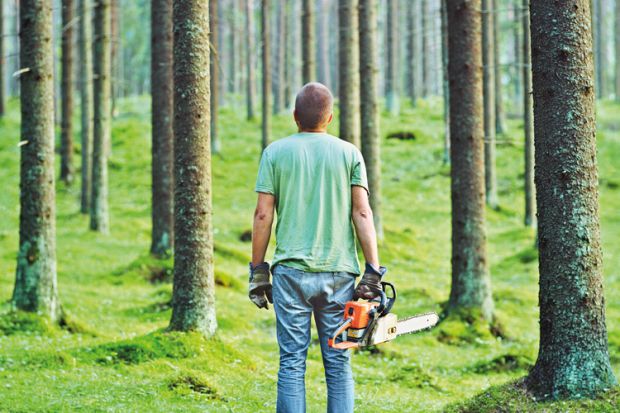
[307, 41]
[349, 82]
[99, 215]
[35, 281]
[250, 59]
[371, 148]
[193, 295]
[489, 103]
[66, 129]
[471, 283]
[413, 52]
[86, 101]
[528, 120]
[162, 150]
[445, 81]
[425, 56]
[266, 110]
[573, 359]
[497, 69]
[393, 44]
[214, 64]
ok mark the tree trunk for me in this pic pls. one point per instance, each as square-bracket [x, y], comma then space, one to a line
[445, 81]
[370, 115]
[573, 359]
[35, 281]
[233, 46]
[86, 92]
[288, 55]
[66, 133]
[489, 104]
[518, 48]
[393, 43]
[162, 151]
[278, 105]
[617, 50]
[528, 120]
[115, 42]
[599, 48]
[249, 48]
[307, 42]
[349, 83]
[471, 283]
[323, 44]
[193, 295]
[266, 124]
[99, 216]
[425, 58]
[497, 68]
[413, 54]
[2, 60]
[214, 63]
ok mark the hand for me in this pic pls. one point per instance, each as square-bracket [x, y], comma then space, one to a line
[370, 285]
[260, 288]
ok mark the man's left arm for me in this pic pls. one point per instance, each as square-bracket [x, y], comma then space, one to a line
[260, 287]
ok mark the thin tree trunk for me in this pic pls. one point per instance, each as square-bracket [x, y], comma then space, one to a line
[528, 120]
[348, 53]
[250, 81]
[99, 215]
[278, 105]
[322, 43]
[489, 104]
[425, 57]
[371, 149]
[86, 91]
[266, 123]
[307, 42]
[66, 133]
[471, 283]
[219, 27]
[115, 42]
[393, 42]
[193, 294]
[413, 52]
[2, 60]
[573, 358]
[497, 68]
[35, 281]
[445, 81]
[233, 50]
[162, 151]
[518, 48]
[599, 48]
[214, 64]
[288, 70]
[617, 50]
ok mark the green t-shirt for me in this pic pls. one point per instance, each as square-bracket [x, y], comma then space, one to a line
[311, 175]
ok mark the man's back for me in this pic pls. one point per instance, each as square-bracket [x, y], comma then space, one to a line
[311, 175]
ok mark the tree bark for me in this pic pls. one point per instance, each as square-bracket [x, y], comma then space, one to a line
[233, 41]
[497, 68]
[307, 42]
[599, 48]
[489, 104]
[371, 149]
[425, 57]
[323, 44]
[573, 358]
[413, 52]
[99, 215]
[193, 295]
[2, 60]
[66, 132]
[393, 43]
[249, 49]
[35, 281]
[617, 50]
[349, 83]
[214, 63]
[115, 43]
[280, 37]
[445, 80]
[86, 98]
[266, 113]
[518, 48]
[528, 120]
[162, 151]
[471, 283]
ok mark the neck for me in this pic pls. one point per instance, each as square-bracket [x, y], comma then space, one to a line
[317, 130]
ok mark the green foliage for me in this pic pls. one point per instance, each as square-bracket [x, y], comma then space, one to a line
[20, 322]
[503, 363]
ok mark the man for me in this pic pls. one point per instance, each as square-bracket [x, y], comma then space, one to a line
[317, 184]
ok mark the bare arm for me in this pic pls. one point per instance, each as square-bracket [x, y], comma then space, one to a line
[261, 230]
[364, 224]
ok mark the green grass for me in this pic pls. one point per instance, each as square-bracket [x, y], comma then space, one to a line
[114, 355]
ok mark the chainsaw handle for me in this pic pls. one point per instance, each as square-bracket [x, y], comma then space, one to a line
[389, 301]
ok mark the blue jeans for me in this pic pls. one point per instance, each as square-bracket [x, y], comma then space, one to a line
[296, 295]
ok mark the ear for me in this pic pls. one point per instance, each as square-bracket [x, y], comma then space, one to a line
[331, 115]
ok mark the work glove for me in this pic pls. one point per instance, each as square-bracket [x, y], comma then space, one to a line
[260, 287]
[370, 285]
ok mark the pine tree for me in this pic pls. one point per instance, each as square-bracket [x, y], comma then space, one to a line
[528, 120]
[573, 358]
[266, 112]
[471, 283]
[489, 104]
[445, 80]
[393, 43]
[497, 69]
[425, 56]
[86, 101]
[162, 150]
[193, 294]
[35, 281]
[66, 130]
[214, 64]
[413, 54]
[617, 50]
[280, 43]
[307, 42]
[349, 83]
[323, 44]
[250, 59]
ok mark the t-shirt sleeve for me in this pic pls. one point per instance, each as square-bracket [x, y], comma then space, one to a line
[265, 180]
[358, 171]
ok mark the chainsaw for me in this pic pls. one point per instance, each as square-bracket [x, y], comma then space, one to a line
[367, 323]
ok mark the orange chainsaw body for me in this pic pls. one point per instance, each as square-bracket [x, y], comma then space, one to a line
[359, 313]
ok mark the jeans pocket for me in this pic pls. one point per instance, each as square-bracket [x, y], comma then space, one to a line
[344, 284]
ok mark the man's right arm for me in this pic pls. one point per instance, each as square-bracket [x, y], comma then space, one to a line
[362, 217]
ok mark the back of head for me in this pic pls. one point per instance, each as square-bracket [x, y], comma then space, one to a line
[313, 105]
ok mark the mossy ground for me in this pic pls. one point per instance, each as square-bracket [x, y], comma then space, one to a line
[116, 356]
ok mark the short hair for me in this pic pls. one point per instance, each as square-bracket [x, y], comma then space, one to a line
[313, 105]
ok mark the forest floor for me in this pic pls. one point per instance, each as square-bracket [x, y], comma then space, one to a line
[114, 356]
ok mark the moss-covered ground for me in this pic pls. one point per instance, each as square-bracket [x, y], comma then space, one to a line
[114, 355]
